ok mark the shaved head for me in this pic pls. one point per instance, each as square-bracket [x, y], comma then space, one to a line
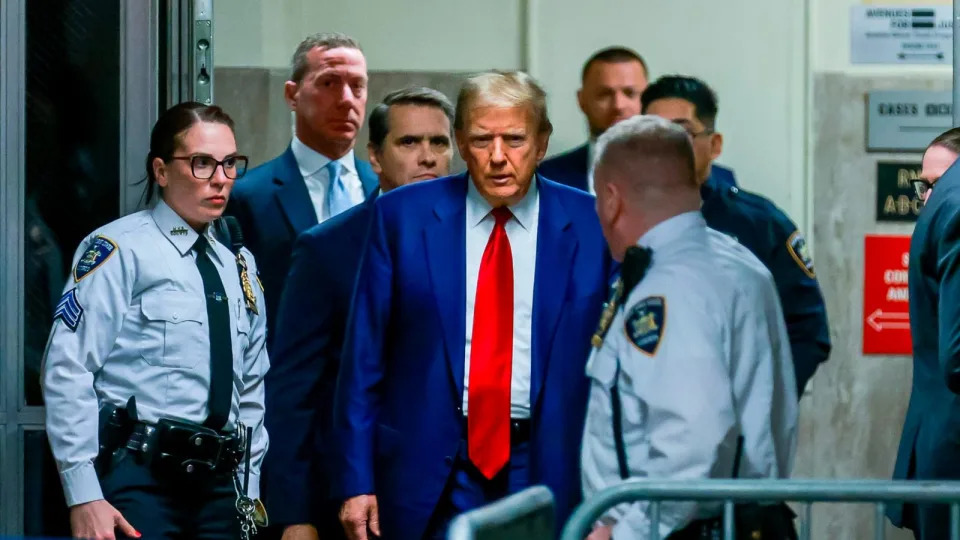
[644, 174]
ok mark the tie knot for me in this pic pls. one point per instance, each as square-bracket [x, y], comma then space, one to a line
[501, 214]
[333, 168]
[200, 246]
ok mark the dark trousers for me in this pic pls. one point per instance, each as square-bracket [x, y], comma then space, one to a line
[170, 507]
[927, 521]
[468, 489]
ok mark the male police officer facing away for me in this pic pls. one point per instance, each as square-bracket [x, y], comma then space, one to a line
[698, 358]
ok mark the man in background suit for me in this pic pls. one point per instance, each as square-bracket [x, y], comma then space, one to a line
[318, 176]
[929, 447]
[410, 141]
[462, 376]
[612, 81]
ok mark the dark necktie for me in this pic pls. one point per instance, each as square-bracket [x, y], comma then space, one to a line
[491, 354]
[221, 356]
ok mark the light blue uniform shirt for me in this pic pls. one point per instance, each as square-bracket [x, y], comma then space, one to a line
[136, 303]
[708, 360]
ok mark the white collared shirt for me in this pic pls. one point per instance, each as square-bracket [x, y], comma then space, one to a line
[522, 232]
[313, 168]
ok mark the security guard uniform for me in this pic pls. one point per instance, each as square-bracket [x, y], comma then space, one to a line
[687, 362]
[770, 235]
[171, 323]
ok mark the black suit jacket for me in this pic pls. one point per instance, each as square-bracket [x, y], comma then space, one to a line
[930, 444]
[570, 169]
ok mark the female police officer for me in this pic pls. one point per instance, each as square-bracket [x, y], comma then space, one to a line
[161, 330]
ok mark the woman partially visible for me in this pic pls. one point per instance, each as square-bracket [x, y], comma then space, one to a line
[937, 158]
[930, 442]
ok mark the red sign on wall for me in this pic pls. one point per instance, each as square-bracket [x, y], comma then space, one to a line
[886, 314]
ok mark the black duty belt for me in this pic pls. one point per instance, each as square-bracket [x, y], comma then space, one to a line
[186, 447]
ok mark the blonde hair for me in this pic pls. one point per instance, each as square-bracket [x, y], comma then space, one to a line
[503, 89]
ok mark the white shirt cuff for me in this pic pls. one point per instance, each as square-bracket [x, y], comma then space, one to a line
[81, 485]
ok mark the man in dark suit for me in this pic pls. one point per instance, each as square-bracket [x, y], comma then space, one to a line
[612, 81]
[752, 219]
[410, 141]
[930, 444]
[462, 376]
[318, 176]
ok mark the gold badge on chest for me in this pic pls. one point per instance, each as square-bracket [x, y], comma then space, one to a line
[609, 311]
[249, 297]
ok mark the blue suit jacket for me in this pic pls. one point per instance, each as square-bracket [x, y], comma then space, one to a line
[930, 443]
[399, 393]
[768, 233]
[570, 168]
[311, 322]
[273, 206]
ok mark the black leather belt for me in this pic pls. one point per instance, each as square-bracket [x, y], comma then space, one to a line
[519, 430]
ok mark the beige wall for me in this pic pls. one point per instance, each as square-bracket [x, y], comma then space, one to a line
[759, 75]
[421, 35]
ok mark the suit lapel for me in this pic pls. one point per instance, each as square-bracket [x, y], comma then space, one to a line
[446, 246]
[368, 179]
[556, 246]
[292, 194]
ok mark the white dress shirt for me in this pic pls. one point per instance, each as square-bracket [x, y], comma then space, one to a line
[313, 167]
[522, 232]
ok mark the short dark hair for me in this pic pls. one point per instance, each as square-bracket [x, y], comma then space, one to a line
[690, 89]
[379, 122]
[323, 40]
[613, 55]
[949, 139]
[168, 131]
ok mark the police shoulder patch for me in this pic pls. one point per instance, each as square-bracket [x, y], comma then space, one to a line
[101, 249]
[797, 246]
[644, 324]
[69, 310]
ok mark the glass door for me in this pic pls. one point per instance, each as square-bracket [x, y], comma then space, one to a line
[81, 83]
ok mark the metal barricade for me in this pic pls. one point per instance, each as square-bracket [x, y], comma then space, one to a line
[526, 515]
[730, 492]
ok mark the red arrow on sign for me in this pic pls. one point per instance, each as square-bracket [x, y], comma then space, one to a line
[879, 321]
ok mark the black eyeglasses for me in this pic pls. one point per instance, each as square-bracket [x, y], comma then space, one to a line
[695, 134]
[204, 167]
[921, 187]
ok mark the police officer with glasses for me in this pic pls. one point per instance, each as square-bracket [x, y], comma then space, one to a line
[153, 373]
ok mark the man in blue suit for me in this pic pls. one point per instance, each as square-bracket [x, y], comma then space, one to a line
[930, 443]
[612, 81]
[752, 219]
[318, 176]
[462, 376]
[410, 141]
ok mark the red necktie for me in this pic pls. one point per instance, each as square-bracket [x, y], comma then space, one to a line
[491, 354]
